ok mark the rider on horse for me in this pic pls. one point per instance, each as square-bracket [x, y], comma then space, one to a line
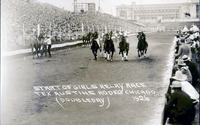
[123, 48]
[109, 46]
[94, 47]
[142, 44]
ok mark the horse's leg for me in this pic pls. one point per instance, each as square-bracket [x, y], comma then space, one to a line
[32, 49]
[138, 53]
[85, 43]
[36, 49]
[126, 55]
[45, 50]
[112, 55]
[142, 52]
[105, 54]
[96, 54]
[37, 52]
[122, 56]
[93, 54]
[145, 50]
[41, 50]
[108, 55]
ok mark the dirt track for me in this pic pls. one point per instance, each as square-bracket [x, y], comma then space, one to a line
[76, 66]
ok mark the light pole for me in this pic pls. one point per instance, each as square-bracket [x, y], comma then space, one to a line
[99, 6]
[75, 5]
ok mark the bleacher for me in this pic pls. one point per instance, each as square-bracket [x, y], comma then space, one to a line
[22, 18]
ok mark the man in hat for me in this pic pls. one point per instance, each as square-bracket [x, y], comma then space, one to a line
[179, 108]
[185, 85]
[184, 49]
[183, 68]
[193, 69]
[48, 41]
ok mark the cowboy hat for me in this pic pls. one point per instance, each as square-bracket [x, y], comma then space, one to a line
[185, 58]
[181, 63]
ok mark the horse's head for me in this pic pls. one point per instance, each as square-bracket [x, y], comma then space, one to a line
[139, 36]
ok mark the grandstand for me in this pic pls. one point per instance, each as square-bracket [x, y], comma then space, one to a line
[22, 18]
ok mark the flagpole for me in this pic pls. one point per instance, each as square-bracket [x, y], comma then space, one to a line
[38, 30]
[82, 28]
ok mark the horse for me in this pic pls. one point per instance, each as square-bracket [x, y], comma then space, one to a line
[88, 38]
[37, 45]
[123, 48]
[84, 39]
[109, 47]
[142, 44]
[94, 47]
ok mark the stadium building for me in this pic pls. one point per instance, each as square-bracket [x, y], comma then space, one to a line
[160, 12]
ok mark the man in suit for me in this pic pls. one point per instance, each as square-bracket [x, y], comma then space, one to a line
[179, 108]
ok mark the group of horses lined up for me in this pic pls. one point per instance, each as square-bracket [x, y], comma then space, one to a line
[106, 45]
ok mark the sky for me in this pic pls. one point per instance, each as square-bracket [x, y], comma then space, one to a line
[107, 6]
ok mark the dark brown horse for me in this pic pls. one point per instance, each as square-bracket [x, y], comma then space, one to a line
[123, 48]
[142, 44]
[109, 47]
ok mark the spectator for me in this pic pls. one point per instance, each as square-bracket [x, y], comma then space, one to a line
[180, 108]
[193, 69]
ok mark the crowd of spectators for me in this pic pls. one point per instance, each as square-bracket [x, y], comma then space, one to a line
[183, 96]
[22, 18]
